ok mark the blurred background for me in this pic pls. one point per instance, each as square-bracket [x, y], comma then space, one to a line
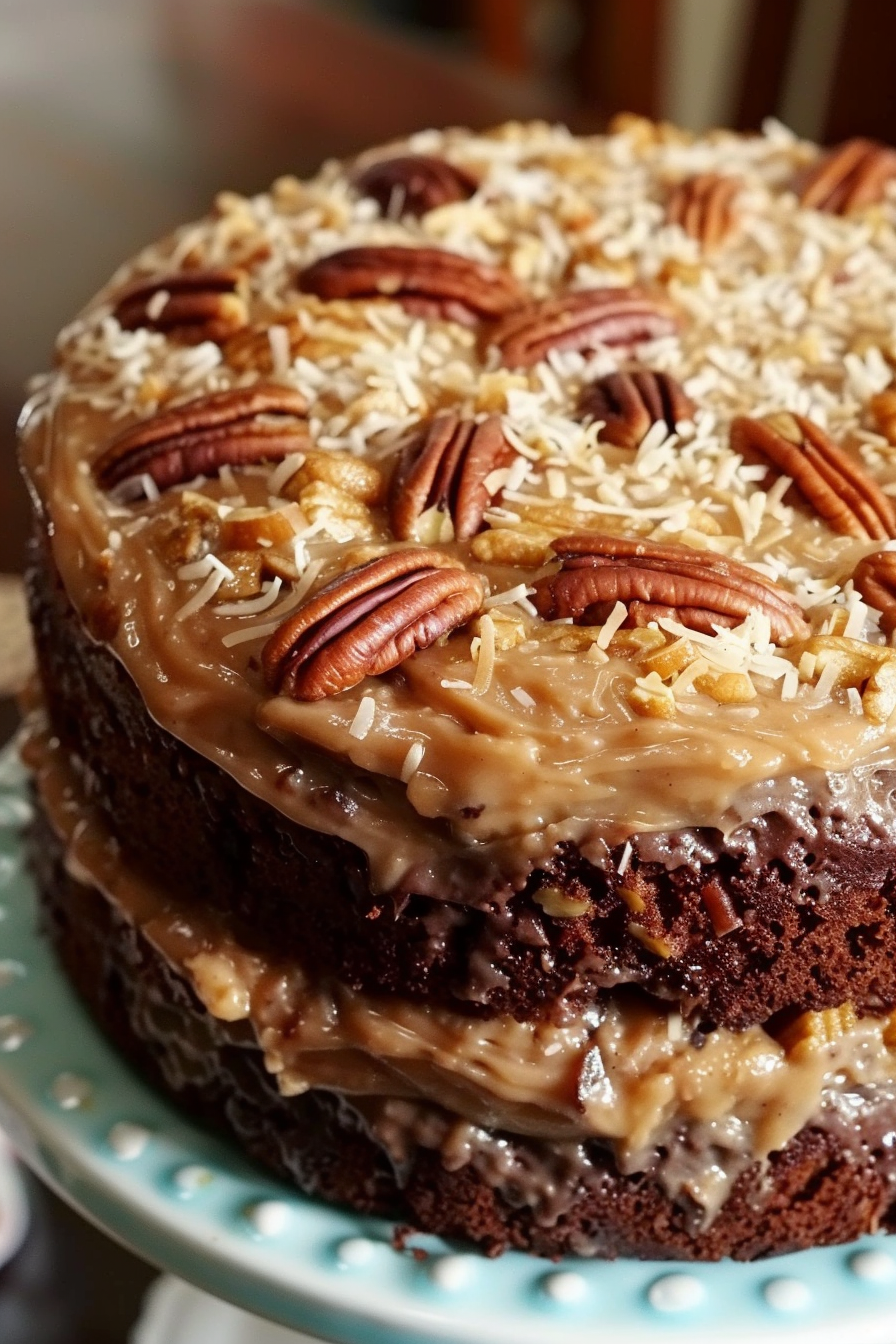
[120, 118]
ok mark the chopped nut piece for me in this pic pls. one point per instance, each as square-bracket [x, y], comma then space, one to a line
[720, 908]
[246, 529]
[274, 565]
[512, 546]
[658, 946]
[322, 502]
[636, 643]
[870, 668]
[726, 688]
[188, 531]
[650, 698]
[633, 899]
[813, 1031]
[669, 660]
[246, 581]
[350, 474]
[561, 904]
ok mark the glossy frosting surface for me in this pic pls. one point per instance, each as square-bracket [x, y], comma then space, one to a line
[454, 764]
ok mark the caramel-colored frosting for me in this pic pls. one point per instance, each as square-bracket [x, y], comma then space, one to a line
[455, 764]
[627, 1073]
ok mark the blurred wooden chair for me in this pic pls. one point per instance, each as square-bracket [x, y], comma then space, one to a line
[618, 62]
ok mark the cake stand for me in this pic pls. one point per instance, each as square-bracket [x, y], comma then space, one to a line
[188, 1202]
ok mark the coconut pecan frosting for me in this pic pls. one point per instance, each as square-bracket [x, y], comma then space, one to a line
[484, 461]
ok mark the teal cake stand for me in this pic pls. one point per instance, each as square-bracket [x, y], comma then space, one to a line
[189, 1203]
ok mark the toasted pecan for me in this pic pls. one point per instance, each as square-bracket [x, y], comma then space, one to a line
[629, 403]
[369, 620]
[261, 423]
[194, 305]
[445, 466]
[581, 320]
[427, 281]
[698, 589]
[875, 579]
[839, 489]
[704, 206]
[850, 176]
[414, 184]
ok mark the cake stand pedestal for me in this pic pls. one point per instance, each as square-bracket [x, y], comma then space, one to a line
[177, 1313]
[188, 1202]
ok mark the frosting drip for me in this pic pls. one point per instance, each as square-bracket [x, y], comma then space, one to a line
[626, 1074]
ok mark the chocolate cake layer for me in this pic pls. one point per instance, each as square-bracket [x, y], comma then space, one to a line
[831, 1183]
[794, 911]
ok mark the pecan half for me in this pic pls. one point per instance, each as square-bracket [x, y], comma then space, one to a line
[696, 588]
[703, 206]
[261, 423]
[629, 403]
[875, 579]
[445, 466]
[850, 176]
[426, 281]
[581, 320]
[194, 305]
[841, 491]
[368, 621]
[413, 184]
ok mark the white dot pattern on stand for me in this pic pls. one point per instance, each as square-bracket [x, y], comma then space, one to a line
[873, 1266]
[269, 1217]
[70, 1092]
[787, 1294]
[128, 1141]
[9, 971]
[451, 1272]
[564, 1286]
[676, 1292]
[192, 1178]
[355, 1251]
[14, 1032]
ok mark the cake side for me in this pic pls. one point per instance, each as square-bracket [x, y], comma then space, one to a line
[831, 1183]
[790, 914]
[464, 605]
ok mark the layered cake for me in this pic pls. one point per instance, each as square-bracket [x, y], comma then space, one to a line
[463, 587]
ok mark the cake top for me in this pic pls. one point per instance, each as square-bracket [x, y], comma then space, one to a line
[494, 491]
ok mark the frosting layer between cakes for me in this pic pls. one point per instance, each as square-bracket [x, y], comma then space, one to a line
[694, 1109]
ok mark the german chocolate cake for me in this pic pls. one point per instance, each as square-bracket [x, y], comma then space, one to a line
[463, 586]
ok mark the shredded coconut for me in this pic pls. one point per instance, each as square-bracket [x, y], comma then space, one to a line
[362, 723]
[412, 760]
